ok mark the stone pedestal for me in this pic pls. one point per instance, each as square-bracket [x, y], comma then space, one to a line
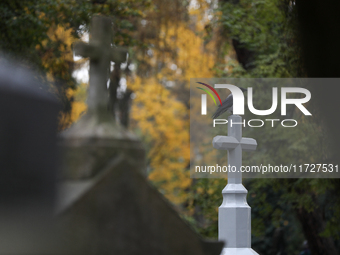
[234, 221]
[94, 140]
[238, 251]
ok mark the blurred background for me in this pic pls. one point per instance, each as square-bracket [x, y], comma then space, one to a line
[171, 41]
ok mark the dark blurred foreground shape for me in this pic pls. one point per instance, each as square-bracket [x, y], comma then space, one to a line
[28, 129]
[106, 205]
[320, 39]
[319, 24]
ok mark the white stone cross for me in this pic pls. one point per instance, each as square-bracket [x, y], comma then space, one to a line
[234, 222]
[100, 52]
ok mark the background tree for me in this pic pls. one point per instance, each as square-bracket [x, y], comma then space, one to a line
[40, 34]
[264, 36]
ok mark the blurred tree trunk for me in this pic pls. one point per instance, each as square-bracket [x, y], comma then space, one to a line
[244, 56]
[313, 224]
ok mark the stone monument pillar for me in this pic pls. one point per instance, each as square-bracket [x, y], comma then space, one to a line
[234, 221]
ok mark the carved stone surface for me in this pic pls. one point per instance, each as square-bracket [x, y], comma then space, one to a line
[91, 142]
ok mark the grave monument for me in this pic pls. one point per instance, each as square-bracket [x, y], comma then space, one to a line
[106, 205]
[234, 219]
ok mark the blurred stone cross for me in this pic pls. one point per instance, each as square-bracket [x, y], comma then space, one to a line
[100, 52]
[234, 222]
[96, 138]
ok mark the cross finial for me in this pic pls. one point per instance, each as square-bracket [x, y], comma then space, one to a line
[235, 144]
[100, 52]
